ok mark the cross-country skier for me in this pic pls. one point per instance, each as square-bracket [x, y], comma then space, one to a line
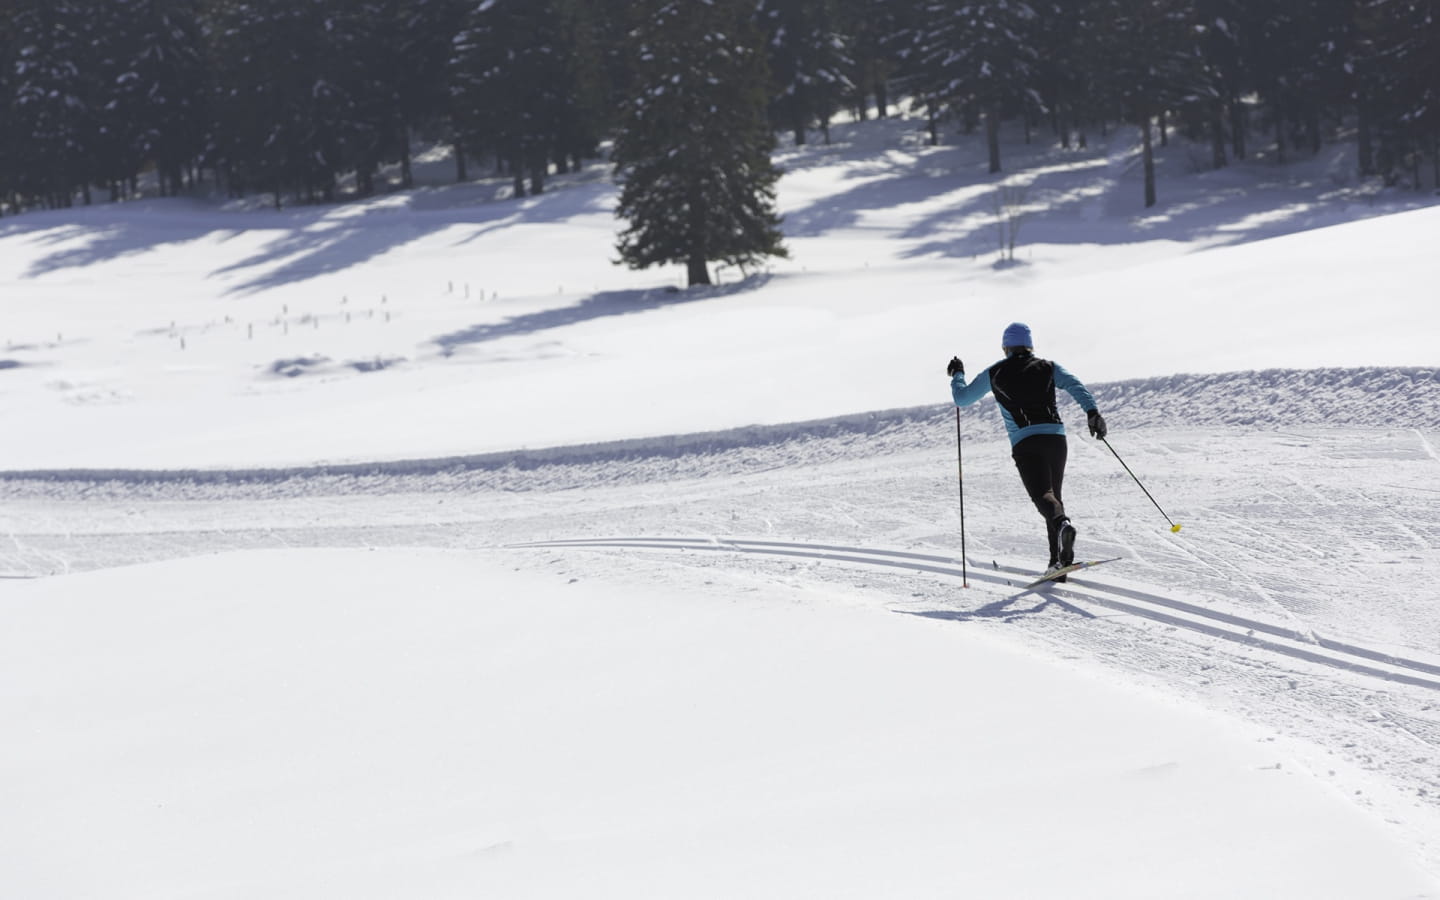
[1024, 387]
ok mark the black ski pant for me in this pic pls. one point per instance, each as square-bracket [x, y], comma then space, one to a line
[1041, 461]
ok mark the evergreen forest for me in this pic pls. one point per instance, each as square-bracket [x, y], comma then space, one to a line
[290, 99]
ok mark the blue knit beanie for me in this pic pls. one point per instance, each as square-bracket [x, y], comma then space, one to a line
[1017, 335]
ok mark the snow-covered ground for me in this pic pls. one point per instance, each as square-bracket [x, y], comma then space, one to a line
[409, 548]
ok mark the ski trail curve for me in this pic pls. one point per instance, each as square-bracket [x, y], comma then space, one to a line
[1296, 644]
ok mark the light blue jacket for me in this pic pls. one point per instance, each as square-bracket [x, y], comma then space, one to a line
[1013, 412]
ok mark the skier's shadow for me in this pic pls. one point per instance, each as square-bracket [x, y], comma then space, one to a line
[1004, 609]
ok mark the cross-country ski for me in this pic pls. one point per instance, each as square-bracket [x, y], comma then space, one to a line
[1060, 573]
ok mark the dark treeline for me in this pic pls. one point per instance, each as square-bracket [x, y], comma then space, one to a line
[284, 97]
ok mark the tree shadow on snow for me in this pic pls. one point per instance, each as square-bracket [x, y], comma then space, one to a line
[1091, 196]
[341, 239]
[597, 306]
[309, 241]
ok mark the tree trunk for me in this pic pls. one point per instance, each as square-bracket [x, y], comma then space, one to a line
[407, 174]
[696, 270]
[882, 98]
[992, 138]
[1280, 137]
[1237, 129]
[1164, 129]
[932, 125]
[1365, 150]
[517, 173]
[1149, 163]
[1217, 135]
[462, 173]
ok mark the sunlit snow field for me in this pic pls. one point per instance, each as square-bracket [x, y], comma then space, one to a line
[409, 547]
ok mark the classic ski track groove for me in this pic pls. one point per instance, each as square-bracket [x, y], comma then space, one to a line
[1156, 608]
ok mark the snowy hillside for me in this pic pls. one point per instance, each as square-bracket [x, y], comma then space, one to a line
[410, 548]
[197, 337]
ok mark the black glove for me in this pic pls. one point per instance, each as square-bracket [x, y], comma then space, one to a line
[955, 366]
[1097, 424]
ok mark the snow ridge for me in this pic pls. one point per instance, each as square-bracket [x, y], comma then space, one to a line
[1273, 398]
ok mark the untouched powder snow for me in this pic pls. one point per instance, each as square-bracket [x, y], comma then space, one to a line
[382, 724]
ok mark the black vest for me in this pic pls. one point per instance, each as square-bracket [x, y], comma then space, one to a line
[1024, 385]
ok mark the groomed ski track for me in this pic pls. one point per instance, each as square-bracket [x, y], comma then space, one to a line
[1080, 592]
[1301, 595]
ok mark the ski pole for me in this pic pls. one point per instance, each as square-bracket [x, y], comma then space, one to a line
[1173, 525]
[960, 469]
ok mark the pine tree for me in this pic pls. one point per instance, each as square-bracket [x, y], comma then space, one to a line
[400, 79]
[693, 149]
[515, 90]
[610, 23]
[7, 130]
[1154, 66]
[1281, 61]
[1065, 79]
[1226, 31]
[976, 57]
[808, 64]
[873, 31]
[53, 86]
[1403, 75]
[285, 98]
[154, 79]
